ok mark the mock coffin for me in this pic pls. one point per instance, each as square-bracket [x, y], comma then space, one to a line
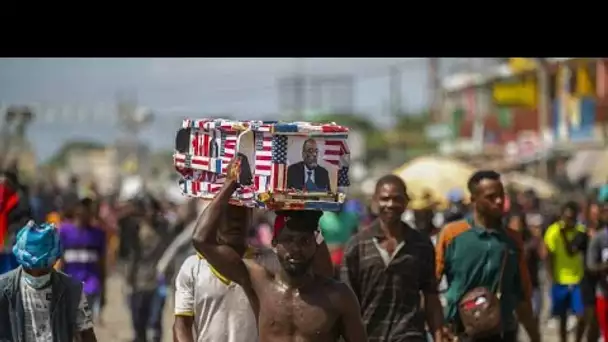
[285, 166]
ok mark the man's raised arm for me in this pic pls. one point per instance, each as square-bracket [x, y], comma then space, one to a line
[222, 257]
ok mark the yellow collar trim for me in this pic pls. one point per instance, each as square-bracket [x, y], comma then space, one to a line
[248, 255]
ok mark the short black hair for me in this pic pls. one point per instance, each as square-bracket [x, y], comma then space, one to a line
[480, 175]
[307, 141]
[86, 202]
[392, 180]
[302, 220]
[571, 205]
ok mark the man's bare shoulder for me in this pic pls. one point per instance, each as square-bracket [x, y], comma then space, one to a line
[342, 296]
[258, 271]
[332, 287]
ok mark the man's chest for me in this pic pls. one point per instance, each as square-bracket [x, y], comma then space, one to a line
[481, 256]
[284, 311]
[382, 257]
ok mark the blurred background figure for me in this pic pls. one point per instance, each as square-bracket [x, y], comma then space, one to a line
[84, 258]
[431, 121]
[146, 239]
[14, 213]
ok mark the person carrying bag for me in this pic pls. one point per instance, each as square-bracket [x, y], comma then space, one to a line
[479, 309]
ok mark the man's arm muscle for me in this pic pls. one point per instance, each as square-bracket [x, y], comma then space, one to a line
[351, 323]
[222, 257]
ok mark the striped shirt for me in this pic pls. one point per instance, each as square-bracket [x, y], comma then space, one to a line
[388, 287]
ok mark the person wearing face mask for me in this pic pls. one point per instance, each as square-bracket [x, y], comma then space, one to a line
[37, 303]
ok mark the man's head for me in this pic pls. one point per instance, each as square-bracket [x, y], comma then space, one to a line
[593, 212]
[84, 211]
[310, 153]
[233, 232]
[36, 249]
[569, 214]
[487, 194]
[296, 244]
[391, 199]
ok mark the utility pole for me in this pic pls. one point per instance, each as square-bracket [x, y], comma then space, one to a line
[131, 120]
[543, 112]
[17, 119]
[395, 91]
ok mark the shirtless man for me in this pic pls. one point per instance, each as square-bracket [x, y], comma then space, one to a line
[292, 304]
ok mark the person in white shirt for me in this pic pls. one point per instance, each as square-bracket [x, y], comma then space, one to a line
[210, 307]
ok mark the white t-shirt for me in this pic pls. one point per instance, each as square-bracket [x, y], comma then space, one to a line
[221, 310]
[37, 305]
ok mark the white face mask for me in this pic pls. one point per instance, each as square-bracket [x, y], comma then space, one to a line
[36, 282]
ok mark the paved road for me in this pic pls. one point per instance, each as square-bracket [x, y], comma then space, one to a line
[116, 325]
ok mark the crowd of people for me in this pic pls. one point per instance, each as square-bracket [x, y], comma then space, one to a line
[390, 268]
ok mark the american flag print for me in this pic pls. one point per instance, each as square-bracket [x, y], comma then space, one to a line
[336, 152]
[263, 154]
[279, 161]
[213, 144]
[227, 149]
[343, 177]
[263, 160]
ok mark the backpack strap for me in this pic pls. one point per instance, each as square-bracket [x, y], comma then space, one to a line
[502, 271]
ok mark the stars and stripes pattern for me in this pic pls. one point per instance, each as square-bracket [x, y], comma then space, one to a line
[343, 180]
[263, 154]
[279, 162]
[336, 152]
[263, 160]
[214, 145]
[205, 184]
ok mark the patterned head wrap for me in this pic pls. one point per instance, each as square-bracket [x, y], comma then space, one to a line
[37, 246]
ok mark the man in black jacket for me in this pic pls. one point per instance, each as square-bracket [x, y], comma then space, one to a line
[308, 174]
[38, 303]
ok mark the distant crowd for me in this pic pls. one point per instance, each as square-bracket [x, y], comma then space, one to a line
[387, 268]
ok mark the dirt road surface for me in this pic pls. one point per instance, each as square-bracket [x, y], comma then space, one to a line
[116, 325]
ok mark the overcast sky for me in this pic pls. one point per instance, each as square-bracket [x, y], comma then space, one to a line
[174, 86]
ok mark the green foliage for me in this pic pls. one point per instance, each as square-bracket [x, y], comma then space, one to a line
[375, 139]
[59, 159]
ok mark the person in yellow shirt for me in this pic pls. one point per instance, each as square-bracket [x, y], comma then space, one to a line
[565, 241]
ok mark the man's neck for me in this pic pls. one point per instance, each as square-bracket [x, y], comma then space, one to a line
[392, 229]
[295, 281]
[490, 223]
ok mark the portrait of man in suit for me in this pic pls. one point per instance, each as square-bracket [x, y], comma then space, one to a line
[308, 174]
